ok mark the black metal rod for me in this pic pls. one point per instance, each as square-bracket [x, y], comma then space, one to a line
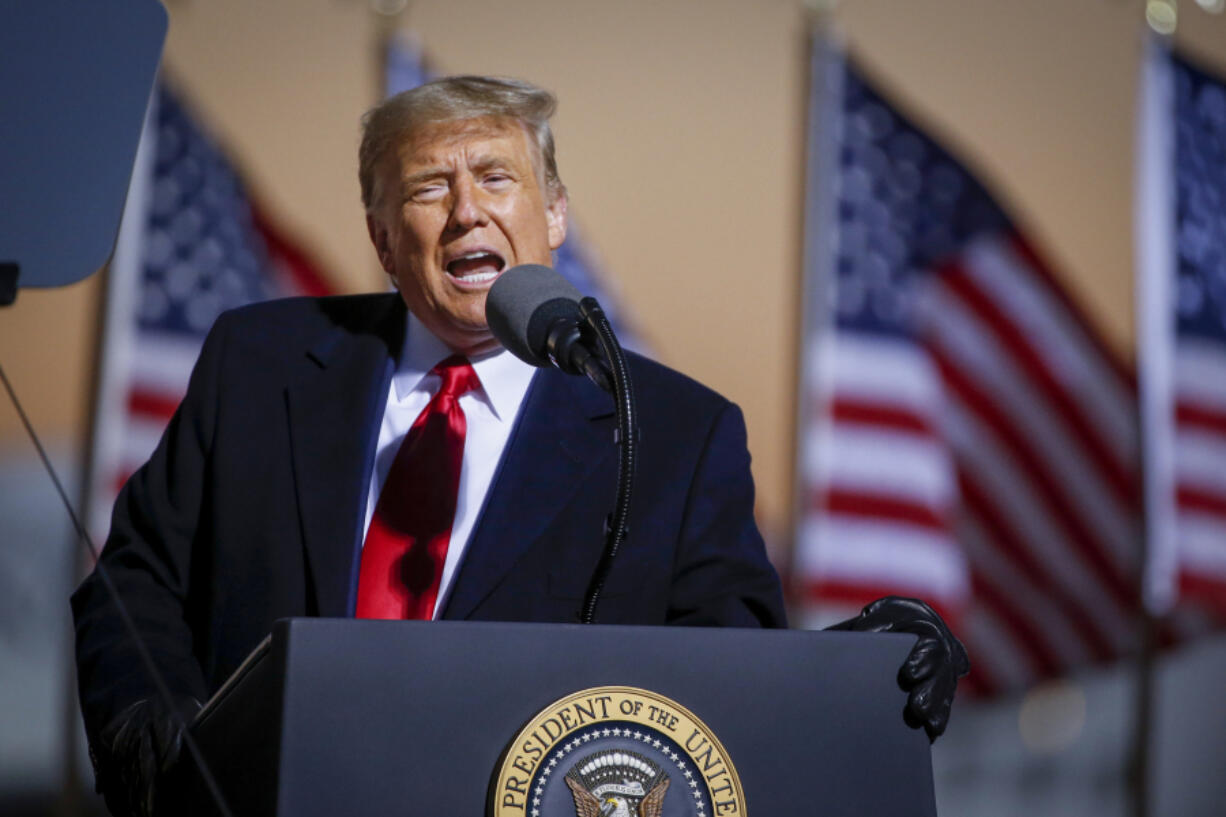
[627, 441]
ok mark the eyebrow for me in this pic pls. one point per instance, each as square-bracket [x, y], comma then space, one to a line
[423, 175]
[490, 161]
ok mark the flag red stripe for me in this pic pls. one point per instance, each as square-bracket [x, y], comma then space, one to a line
[977, 684]
[1038, 267]
[119, 479]
[1198, 499]
[893, 417]
[857, 594]
[1206, 590]
[1086, 543]
[1082, 428]
[152, 404]
[1009, 543]
[1026, 635]
[876, 506]
[1207, 419]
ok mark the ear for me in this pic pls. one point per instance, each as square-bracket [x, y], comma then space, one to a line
[555, 218]
[379, 238]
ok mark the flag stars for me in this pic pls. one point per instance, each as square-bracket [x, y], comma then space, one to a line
[1200, 234]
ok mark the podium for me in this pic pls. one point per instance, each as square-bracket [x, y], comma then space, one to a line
[451, 719]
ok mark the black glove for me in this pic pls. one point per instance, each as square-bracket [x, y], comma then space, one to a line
[932, 669]
[135, 749]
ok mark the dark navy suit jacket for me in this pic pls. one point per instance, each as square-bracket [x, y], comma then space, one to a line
[251, 507]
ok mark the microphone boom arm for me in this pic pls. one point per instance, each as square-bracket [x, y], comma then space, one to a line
[627, 441]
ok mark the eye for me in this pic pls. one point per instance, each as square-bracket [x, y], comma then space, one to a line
[431, 191]
[496, 179]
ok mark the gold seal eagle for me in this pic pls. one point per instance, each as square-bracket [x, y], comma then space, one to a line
[616, 783]
[618, 748]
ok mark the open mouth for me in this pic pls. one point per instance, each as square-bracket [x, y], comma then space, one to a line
[478, 267]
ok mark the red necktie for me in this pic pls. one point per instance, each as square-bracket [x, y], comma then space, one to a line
[406, 545]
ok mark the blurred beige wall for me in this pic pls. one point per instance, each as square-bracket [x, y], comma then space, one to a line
[680, 138]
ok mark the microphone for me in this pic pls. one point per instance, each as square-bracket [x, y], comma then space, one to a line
[543, 320]
[534, 312]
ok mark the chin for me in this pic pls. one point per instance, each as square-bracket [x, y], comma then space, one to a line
[475, 337]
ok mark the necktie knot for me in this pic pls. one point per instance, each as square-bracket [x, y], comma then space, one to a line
[457, 375]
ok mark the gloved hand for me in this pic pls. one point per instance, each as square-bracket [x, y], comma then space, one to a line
[135, 749]
[932, 669]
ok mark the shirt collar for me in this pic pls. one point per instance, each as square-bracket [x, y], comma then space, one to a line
[504, 377]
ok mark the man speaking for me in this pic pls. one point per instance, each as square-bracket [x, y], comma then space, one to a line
[382, 456]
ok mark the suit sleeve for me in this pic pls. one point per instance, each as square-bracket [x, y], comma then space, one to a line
[149, 558]
[721, 576]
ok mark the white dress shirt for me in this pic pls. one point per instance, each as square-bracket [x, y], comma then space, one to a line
[489, 412]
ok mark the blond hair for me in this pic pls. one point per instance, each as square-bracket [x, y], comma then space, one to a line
[455, 98]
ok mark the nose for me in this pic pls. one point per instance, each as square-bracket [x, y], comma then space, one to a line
[467, 208]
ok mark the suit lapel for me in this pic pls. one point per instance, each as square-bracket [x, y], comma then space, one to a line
[334, 412]
[551, 451]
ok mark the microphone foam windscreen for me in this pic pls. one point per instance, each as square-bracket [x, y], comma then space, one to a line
[523, 303]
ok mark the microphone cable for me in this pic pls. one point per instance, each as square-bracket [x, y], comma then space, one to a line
[142, 649]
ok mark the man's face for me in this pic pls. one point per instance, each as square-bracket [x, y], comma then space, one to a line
[456, 204]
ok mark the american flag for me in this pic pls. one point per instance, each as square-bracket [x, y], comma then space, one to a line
[405, 67]
[1181, 230]
[192, 244]
[966, 437]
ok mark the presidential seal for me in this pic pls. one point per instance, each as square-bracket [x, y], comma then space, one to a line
[616, 752]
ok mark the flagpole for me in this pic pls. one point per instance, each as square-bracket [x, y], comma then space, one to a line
[816, 255]
[1154, 231]
[1141, 760]
[71, 802]
[388, 19]
[800, 402]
